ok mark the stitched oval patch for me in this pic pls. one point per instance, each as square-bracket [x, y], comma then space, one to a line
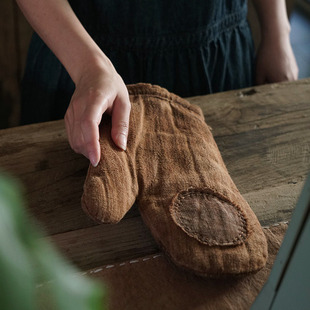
[208, 218]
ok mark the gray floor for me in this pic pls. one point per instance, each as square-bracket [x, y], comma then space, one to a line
[300, 40]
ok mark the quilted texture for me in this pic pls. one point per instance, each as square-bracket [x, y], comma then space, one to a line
[175, 172]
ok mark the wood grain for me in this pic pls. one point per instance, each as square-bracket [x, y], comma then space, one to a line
[263, 133]
[104, 244]
[264, 137]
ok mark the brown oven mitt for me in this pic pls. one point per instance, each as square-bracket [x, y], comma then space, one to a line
[172, 166]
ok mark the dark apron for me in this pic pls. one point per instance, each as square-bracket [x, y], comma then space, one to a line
[189, 47]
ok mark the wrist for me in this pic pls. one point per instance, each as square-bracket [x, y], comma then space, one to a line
[275, 27]
[94, 62]
[276, 33]
[272, 15]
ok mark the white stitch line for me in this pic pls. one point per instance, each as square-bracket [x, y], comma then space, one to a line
[123, 264]
[276, 224]
[155, 256]
[146, 258]
[45, 283]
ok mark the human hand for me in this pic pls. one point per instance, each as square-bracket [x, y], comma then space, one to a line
[99, 89]
[275, 61]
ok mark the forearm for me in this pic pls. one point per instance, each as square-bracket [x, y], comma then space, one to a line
[61, 30]
[99, 88]
[275, 61]
[273, 18]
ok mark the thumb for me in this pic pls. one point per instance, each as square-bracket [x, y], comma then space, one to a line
[120, 121]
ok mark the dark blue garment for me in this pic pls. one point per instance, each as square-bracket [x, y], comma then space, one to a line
[189, 47]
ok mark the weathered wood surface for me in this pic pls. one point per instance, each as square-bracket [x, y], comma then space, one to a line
[264, 137]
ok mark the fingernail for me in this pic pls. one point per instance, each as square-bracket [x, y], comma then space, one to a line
[92, 159]
[122, 141]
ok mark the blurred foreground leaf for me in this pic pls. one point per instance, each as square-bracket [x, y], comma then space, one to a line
[33, 274]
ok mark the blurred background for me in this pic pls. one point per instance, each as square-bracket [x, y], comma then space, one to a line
[15, 34]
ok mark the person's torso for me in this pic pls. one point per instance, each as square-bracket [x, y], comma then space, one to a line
[108, 20]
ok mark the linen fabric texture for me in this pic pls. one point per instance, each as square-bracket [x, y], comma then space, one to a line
[173, 169]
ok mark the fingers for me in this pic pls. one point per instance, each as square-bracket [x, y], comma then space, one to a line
[89, 126]
[91, 146]
[84, 115]
[275, 62]
[82, 121]
[120, 120]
